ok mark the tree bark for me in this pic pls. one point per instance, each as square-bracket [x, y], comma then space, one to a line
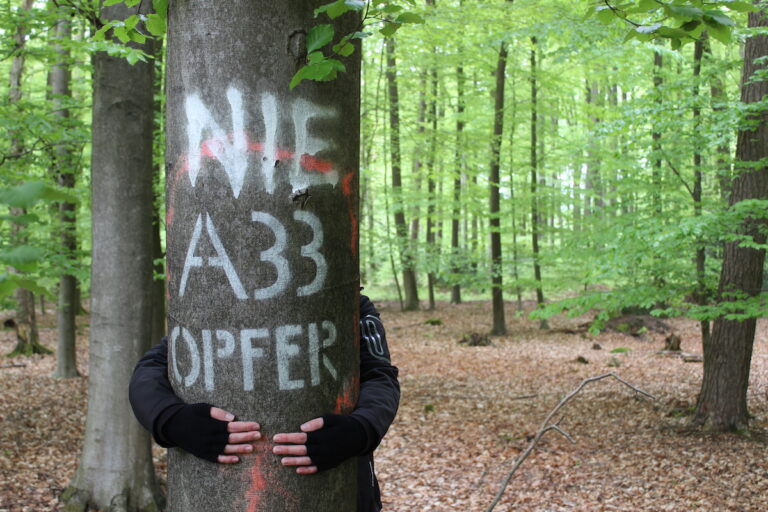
[115, 470]
[27, 339]
[411, 302]
[658, 81]
[457, 177]
[65, 167]
[262, 244]
[499, 325]
[722, 401]
[535, 217]
[700, 256]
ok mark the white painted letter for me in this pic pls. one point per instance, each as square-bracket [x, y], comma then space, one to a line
[303, 111]
[194, 373]
[229, 343]
[274, 256]
[249, 352]
[268, 159]
[233, 156]
[222, 260]
[314, 355]
[285, 351]
[191, 260]
[327, 343]
[207, 360]
[311, 251]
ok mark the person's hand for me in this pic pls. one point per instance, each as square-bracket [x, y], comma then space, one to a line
[241, 435]
[323, 443]
[210, 433]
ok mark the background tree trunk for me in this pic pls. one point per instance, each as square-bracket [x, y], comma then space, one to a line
[499, 325]
[722, 402]
[411, 302]
[115, 470]
[261, 244]
[535, 217]
[60, 76]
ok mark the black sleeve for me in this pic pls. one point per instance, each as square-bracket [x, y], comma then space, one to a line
[379, 388]
[150, 392]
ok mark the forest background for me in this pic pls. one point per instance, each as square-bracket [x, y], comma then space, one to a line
[530, 150]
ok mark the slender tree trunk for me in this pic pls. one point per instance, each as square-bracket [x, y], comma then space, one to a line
[701, 256]
[27, 339]
[722, 402]
[115, 471]
[535, 218]
[457, 177]
[60, 77]
[657, 181]
[262, 244]
[411, 302]
[432, 246]
[499, 327]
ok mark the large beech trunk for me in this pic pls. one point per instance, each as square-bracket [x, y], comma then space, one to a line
[262, 261]
[722, 402]
[115, 471]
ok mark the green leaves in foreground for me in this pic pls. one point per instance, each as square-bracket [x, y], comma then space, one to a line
[323, 67]
[680, 21]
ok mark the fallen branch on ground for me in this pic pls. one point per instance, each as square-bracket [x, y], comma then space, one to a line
[13, 365]
[547, 425]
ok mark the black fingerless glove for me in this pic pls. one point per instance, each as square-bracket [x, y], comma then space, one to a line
[192, 429]
[340, 438]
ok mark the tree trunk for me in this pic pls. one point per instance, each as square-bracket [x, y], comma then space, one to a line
[65, 166]
[499, 325]
[700, 256]
[115, 470]
[722, 402]
[411, 302]
[656, 199]
[457, 177]
[27, 340]
[535, 218]
[262, 244]
[432, 246]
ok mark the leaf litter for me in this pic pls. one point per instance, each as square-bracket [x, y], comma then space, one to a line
[466, 413]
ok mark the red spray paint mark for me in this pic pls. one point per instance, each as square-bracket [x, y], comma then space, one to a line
[308, 162]
[182, 168]
[347, 399]
[258, 483]
[261, 484]
[346, 184]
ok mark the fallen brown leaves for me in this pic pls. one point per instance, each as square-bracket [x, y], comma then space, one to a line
[466, 413]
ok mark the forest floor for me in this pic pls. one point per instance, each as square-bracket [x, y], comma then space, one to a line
[465, 414]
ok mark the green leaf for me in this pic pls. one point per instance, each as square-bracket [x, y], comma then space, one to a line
[23, 220]
[344, 49]
[315, 57]
[10, 282]
[319, 36]
[137, 37]
[684, 12]
[155, 24]
[121, 33]
[389, 29]
[27, 194]
[132, 3]
[605, 15]
[131, 22]
[719, 17]
[720, 32]
[648, 5]
[392, 8]
[101, 34]
[161, 8]
[24, 258]
[333, 9]
[298, 77]
[741, 6]
[409, 17]
[621, 350]
[107, 3]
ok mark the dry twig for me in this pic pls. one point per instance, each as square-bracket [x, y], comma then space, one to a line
[547, 425]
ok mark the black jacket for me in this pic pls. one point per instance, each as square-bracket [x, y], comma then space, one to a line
[154, 401]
